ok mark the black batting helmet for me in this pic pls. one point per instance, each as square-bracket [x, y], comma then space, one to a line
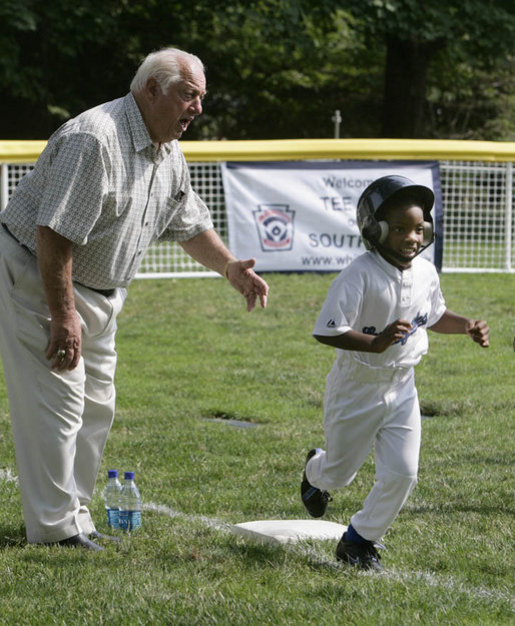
[386, 189]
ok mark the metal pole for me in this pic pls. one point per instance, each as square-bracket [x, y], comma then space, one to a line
[508, 219]
[3, 185]
[337, 118]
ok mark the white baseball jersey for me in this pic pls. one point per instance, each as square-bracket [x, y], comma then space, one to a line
[371, 293]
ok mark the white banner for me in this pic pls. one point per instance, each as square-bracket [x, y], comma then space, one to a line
[301, 216]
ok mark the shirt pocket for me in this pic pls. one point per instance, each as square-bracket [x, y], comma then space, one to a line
[165, 217]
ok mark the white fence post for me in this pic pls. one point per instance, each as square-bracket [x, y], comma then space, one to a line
[508, 220]
[3, 185]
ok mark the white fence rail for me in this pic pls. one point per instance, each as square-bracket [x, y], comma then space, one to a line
[479, 221]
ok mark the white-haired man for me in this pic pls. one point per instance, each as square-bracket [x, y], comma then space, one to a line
[109, 183]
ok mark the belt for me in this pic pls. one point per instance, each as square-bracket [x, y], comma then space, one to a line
[105, 292]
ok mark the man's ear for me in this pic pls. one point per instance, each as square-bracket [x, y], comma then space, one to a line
[152, 89]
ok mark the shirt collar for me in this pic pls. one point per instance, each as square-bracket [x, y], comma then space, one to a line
[389, 268]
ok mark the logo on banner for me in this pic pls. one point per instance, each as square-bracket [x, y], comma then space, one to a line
[275, 226]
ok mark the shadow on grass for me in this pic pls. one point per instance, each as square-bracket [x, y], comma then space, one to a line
[257, 555]
[233, 419]
[11, 535]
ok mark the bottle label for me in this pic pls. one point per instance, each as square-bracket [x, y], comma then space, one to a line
[130, 520]
[113, 518]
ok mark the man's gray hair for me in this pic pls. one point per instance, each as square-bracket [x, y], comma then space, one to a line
[165, 66]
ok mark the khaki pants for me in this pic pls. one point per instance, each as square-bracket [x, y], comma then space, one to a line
[370, 410]
[60, 420]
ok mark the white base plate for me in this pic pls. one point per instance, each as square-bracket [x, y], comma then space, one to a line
[289, 531]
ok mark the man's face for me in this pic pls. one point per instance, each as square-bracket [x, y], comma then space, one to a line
[170, 114]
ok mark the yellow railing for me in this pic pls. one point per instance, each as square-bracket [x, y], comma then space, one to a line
[297, 149]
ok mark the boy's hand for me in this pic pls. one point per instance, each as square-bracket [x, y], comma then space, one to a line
[393, 332]
[479, 332]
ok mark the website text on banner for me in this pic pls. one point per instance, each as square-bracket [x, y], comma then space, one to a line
[301, 216]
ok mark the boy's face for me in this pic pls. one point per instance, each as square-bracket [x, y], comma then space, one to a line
[405, 235]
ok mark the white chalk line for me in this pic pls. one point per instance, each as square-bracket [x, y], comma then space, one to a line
[6, 476]
[206, 521]
[307, 549]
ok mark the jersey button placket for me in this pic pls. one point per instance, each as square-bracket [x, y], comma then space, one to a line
[406, 285]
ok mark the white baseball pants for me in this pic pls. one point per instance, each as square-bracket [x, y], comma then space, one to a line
[377, 409]
[60, 420]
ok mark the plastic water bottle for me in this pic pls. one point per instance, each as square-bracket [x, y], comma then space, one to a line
[130, 504]
[112, 498]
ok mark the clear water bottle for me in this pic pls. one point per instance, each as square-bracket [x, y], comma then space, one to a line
[130, 504]
[112, 498]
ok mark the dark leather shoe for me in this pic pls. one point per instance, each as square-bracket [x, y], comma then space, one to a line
[315, 500]
[78, 541]
[96, 535]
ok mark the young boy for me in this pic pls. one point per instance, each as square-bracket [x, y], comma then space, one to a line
[376, 315]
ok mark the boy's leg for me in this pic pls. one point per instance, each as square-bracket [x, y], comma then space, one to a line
[397, 449]
[353, 412]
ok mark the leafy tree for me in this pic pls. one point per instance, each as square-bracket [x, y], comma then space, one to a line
[278, 74]
[275, 68]
[471, 101]
[473, 32]
[57, 58]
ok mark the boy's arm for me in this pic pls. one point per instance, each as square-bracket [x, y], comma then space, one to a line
[354, 340]
[452, 323]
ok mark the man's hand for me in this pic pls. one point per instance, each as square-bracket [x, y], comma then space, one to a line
[479, 332]
[243, 278]
[64, 346]
[207, 248]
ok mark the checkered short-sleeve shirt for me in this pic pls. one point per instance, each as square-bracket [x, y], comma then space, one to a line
[101, 183]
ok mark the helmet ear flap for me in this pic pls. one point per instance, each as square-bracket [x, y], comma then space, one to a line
[384, 231]
[375, 232]
[429, 234]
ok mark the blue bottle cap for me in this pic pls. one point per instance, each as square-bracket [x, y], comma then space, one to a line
[129, 475]
[112, 473]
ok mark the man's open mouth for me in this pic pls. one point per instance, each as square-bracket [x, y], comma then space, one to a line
[185, 122]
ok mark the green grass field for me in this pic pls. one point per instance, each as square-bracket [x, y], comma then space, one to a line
[190, 360]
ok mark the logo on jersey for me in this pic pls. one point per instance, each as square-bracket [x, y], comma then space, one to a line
[275, 226]
[418, 321]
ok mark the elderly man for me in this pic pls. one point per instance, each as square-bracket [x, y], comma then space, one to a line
[109, 183]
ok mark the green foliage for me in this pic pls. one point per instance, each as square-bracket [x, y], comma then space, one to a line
[190, 353]
[285, 81]
[466, 102]
[276, 68]
[469, 23]
[415, 34]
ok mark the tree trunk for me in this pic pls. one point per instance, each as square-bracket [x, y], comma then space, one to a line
[405, 87]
